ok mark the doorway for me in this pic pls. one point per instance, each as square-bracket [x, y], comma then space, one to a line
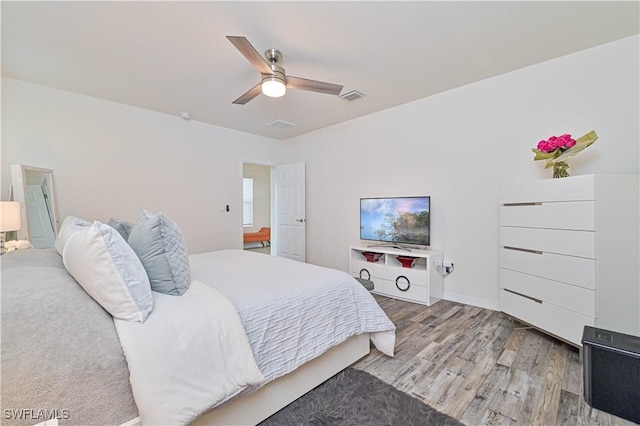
[256, 207]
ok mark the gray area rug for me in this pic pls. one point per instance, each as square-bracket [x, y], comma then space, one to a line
[354, 397]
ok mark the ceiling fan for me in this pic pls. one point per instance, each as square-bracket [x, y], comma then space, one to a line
[274, 81]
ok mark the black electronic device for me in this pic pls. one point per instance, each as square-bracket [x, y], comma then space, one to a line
[611, 371]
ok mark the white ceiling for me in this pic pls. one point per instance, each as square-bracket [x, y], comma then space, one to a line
[173, 56]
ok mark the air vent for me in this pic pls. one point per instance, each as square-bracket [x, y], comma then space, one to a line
[280, 124]
[352, 95]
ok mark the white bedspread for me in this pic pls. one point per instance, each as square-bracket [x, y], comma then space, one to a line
[246, 319]
[293, 311]
[190, 355]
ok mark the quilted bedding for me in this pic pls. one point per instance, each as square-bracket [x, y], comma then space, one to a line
[60, 349]
[292, 311]
[241, 305]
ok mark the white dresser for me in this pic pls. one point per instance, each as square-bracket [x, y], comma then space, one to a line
[569, 254]
[421, 283]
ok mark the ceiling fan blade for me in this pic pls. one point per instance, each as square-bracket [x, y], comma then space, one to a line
[314, 85]
[251, 93]
[252, 55]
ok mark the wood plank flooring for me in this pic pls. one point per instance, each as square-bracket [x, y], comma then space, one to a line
[483, 368]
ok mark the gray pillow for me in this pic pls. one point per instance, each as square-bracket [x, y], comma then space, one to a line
[159, 244]
[122, 226]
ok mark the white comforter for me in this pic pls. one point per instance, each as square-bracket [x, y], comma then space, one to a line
[191, 354]
[293, 311]
[246, 319]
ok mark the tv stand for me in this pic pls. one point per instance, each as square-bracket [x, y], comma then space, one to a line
[390, 246]
[420, 283]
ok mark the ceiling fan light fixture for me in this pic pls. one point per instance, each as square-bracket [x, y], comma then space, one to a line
[274, 80]
[273, 86]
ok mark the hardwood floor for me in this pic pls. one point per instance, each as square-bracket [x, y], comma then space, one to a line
[258, 249]
[481, 367]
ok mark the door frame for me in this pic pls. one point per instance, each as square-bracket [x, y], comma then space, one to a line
[273, 203]
[274, 232]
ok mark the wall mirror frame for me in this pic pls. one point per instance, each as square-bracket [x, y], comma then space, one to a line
[33, 188]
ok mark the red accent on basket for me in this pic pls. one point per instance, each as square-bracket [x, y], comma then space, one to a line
[371, 256]
[407, 261]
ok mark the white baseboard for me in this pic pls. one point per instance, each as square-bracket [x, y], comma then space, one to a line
[481, 303]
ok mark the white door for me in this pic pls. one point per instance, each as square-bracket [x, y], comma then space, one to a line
[40, 230]
[289, 182]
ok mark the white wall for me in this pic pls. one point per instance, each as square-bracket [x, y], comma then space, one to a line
[111, 159]
[461, 146]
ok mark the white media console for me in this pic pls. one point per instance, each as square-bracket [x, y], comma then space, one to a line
[421, 283]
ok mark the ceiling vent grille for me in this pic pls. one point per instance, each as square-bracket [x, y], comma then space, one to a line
[352, 95]
[280, 124]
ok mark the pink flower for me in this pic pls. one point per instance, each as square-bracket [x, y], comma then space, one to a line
[562, 142]
[561, 146]
[569, 141]
[565, 141]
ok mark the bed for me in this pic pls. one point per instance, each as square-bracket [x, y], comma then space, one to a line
[64, 356]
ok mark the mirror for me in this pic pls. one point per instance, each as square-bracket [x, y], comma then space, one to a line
[33, 188]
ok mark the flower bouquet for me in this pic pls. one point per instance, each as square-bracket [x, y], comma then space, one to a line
[557, 149]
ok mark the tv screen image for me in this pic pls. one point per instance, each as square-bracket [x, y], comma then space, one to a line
[399, 220]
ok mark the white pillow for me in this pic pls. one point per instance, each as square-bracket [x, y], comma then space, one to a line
[108, 269]
[67, 230]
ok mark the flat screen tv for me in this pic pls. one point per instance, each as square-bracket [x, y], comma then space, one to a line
[396, 220]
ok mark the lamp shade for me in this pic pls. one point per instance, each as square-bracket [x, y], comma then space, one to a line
[9, 216]
[273, 86]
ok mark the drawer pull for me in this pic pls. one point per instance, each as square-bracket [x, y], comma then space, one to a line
[364, 272]
[521, 204]
[522, 249]
[524, 295]
[407, 282]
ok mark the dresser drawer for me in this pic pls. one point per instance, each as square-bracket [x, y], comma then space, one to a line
[574, 188]
[578, 271]
[563, 323]
[567, 296]
[574, 215]
[368, 270]
[573, 243]
[415, 276]
[412, 291]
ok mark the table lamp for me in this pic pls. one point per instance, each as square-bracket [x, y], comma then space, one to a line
[9, 219]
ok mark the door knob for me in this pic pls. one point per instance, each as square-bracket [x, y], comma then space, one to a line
[300, 220]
